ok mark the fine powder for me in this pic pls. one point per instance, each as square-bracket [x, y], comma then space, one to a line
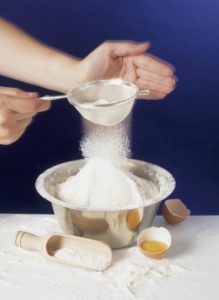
[134, 271]
[101, 185]
[109, 143]
[83, 258]
[131, 276]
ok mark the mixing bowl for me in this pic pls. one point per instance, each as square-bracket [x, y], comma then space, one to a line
[118, 228]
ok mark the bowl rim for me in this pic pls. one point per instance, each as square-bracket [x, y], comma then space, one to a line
[39, 185]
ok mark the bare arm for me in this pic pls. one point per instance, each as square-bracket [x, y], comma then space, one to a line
[28, 60]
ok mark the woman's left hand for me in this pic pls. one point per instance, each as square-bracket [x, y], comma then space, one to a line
[128, 60]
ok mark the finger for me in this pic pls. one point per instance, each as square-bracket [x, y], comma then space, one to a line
[16, 92]
[7, 117]
[154, 96]
[11, 128]
[25, 105]
[12, 138]
[168, 81]
[127, 48]
[153, 64]
[153, 86]
[22, 124]
[19, 116]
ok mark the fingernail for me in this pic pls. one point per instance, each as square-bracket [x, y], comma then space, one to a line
[148, 44]
[173, 87]
[45, 105]
[176, 79]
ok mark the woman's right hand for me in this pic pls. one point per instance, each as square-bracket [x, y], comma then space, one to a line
[17, 109]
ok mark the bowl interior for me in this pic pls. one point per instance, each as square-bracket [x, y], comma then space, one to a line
[47, 181]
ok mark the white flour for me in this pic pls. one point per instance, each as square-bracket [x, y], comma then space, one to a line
[109, 143]
[101, 185]
[28, 275]
[135, 271]
[83, 258]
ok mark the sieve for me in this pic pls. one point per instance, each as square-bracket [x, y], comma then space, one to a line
[103, 102]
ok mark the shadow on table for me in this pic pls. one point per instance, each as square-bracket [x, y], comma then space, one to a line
[182, 240]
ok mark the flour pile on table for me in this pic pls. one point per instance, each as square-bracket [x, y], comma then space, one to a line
[134, 271]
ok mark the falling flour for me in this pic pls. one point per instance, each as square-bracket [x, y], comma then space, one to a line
[102, 183]
[83, 258]
[109, 143]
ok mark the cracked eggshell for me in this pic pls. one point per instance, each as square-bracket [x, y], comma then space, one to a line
[175, 211]
[159, 234]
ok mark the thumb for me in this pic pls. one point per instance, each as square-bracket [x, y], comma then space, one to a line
[131, 48]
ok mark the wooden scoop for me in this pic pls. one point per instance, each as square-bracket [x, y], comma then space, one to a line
[84, 253]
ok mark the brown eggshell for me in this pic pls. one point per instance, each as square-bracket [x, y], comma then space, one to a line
[175, 211]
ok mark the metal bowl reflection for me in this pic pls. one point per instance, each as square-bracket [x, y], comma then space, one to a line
[118, 228]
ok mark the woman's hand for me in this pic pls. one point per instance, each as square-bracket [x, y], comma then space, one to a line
[17, 109]
[127, 60]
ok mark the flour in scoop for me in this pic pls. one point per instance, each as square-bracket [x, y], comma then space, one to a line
[83, 258]
[101, 185]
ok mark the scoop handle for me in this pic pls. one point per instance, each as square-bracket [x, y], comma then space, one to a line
[28, 241]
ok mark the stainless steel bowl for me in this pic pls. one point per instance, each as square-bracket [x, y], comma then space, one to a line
[118, 228]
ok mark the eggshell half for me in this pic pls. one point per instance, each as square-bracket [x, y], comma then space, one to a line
[174, 211]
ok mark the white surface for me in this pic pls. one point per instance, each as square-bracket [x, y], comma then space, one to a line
[26, 275]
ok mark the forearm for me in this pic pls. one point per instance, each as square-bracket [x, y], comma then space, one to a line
[25, 59]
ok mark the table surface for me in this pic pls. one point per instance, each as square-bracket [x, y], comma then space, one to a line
[27, 275]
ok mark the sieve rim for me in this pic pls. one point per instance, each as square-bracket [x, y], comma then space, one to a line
[115, 81]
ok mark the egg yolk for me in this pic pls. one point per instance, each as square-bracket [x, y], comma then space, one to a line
[153, 246]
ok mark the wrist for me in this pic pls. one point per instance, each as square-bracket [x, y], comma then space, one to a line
[64, 71]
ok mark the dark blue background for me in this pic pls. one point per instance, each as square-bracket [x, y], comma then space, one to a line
[180, 133]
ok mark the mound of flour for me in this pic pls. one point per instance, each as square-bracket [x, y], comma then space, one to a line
[101, 185]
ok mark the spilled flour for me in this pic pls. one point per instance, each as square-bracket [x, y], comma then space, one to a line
[136, 271]
[27, 274]
[83, 258]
